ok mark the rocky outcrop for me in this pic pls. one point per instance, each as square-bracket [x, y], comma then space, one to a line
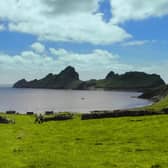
[20, 84]
[111, 75]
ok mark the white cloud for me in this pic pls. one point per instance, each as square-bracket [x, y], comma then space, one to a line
[97, 59]
[138, 42]
[59, 21]
[30, 64]
[79, 28]
[137, 9]
[38, 47]
[94, 64]
[75, 20]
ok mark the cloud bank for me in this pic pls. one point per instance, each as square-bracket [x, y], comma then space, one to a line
[76, 20]
[73, 21]
[32, 64]
[137, 9]
[60, 20]
[95, 64]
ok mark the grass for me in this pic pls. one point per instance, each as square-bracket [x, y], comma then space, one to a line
[163, 103]
[129, 142]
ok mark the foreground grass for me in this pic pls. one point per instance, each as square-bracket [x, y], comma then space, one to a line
[133, 142]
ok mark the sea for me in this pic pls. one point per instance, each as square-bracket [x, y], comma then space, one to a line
[41, 100]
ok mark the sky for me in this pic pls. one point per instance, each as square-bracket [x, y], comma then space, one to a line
[38, 37]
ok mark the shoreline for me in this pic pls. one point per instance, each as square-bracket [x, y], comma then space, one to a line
[96, 114]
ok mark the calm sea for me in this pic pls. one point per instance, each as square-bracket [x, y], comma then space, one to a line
[40, 100]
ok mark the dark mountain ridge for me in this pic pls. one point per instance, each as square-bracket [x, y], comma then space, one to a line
[66, 79]
[69, 79]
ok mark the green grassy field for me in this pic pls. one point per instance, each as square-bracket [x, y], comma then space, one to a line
[129, 142]
[159, 105]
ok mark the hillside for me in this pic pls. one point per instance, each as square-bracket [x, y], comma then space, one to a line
[69, 79]
[66, 79]
[156, 94]
[131, 81]
[160, 105]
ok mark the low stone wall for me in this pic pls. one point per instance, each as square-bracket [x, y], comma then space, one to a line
[165, 110]
[118, 113]
[10, 112]
[58, 118]
[30, 113]
[49, 112]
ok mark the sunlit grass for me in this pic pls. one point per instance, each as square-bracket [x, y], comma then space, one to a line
[162, 104]
[130, 142]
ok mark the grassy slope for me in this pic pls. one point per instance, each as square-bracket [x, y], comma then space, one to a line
[159, 105]
[107, 143]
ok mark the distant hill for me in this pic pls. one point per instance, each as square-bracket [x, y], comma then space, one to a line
[69, 79]
[131, 81]
[66, 79]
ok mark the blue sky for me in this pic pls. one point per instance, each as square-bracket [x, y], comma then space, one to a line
[95, 36]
